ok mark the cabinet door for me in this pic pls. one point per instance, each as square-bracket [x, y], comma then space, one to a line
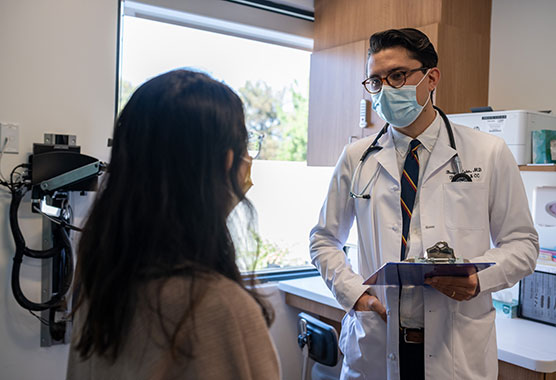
[335, 93]
[507, 371]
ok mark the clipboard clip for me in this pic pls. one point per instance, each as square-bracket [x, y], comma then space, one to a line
[440, 250]
[440, 253]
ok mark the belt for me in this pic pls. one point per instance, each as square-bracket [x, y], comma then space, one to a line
[413, 336]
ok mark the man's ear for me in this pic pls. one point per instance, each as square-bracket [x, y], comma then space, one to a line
[433, 78]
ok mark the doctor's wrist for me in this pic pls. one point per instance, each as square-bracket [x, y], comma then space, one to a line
[478, 288]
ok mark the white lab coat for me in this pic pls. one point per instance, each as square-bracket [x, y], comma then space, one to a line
[460, 337]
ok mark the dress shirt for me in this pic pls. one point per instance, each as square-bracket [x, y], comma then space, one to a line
[411, 303]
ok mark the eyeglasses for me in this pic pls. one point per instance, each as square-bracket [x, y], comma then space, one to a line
[254, 143]
[395, 79]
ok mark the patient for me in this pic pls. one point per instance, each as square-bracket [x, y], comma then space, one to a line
[161, 296]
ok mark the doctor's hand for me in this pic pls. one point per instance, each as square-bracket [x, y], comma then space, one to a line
[458, 288]
[368, 302]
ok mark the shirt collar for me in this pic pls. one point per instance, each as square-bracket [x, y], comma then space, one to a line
[427, 138]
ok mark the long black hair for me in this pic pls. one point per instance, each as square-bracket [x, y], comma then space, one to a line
[162, 210]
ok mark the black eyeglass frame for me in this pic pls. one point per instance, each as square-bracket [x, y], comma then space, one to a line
[406, 74]
[257, 138]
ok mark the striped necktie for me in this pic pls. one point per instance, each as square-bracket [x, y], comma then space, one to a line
[409, 182]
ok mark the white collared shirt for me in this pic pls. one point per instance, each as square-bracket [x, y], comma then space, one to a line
[411, 303]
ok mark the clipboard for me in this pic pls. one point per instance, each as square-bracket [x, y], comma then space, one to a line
[405, 273]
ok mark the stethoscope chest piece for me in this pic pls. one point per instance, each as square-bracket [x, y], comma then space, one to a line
[461, 177]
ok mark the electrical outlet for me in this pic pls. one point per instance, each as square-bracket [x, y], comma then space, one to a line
[10, 132]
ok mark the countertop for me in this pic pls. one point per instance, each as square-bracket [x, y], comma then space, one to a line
[521, 342]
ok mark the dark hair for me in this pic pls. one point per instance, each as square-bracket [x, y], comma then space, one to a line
[162, 210]
[414, 41]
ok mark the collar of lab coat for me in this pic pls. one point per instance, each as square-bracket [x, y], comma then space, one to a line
[440, 154]
[386, 157]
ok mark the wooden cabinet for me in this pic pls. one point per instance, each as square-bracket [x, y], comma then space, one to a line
[537, 168]
[460, 31]
[333, 316]
[335, 93]
[507, 371]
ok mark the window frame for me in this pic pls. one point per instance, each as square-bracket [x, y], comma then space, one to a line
[154, 13]
[275, 275]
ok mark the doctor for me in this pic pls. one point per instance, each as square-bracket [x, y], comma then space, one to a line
[444, 330]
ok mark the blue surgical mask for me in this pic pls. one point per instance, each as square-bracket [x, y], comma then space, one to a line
[398, 106]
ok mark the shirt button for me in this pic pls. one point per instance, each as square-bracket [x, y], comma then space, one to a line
[394, 188]
[392, 356]
[395, 228]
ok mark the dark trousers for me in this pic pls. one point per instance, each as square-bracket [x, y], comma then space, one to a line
[412, 360]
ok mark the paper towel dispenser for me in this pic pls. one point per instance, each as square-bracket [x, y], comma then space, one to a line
[513, 126]
[544, 206]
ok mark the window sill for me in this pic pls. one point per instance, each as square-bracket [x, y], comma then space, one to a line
[274, 275]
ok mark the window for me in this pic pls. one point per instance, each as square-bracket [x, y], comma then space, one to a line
[273, 82]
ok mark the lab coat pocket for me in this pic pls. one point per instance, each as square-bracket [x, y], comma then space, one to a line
[466, 205]
[477, 356]
[363, 343]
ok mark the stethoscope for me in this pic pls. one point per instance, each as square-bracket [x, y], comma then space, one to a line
[459, 175]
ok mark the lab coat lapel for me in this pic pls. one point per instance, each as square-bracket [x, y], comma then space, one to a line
[386, 157]
[441, 153]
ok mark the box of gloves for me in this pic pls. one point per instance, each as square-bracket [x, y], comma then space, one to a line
[544, 146]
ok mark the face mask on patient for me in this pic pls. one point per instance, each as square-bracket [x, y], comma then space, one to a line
[244, 178]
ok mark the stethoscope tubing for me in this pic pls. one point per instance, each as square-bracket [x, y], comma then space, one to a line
[459, 176]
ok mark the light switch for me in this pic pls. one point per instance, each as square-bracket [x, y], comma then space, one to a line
[9, 137]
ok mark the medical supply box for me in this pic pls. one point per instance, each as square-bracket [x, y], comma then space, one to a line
[513, 126]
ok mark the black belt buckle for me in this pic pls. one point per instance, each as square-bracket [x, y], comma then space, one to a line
[408, 341]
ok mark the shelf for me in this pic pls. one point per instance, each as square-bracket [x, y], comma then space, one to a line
[537, 168]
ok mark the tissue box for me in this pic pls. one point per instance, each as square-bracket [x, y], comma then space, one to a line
[544, 146]
[507, 309]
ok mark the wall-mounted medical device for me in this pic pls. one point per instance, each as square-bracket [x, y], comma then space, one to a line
[365, 113]
[544, 206]
[55, 169]
[514, 127]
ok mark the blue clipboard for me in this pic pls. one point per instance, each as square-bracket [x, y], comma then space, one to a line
[402, 273]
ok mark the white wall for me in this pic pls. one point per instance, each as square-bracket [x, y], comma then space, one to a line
[522, 76]
[522, 55]
[57, 74]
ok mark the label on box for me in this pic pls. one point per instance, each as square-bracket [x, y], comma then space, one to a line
[496, 125]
